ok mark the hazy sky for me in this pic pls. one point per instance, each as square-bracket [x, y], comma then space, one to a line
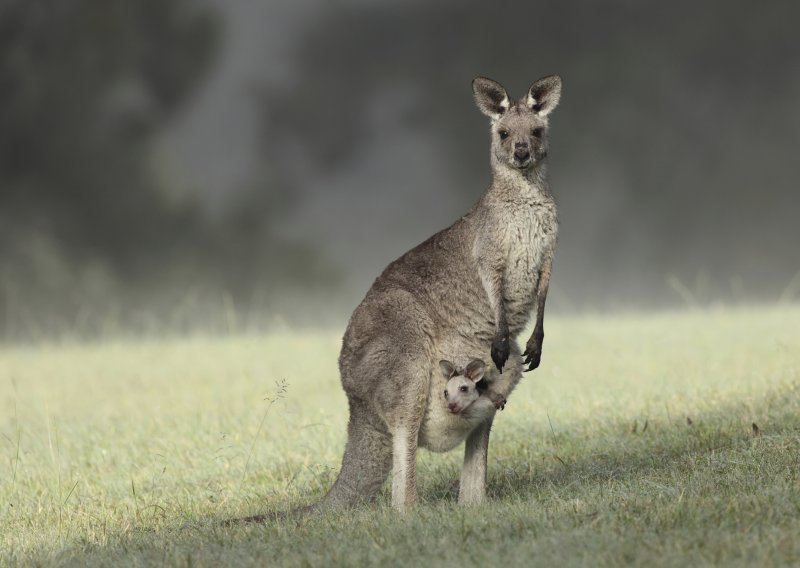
[213, 146]
[617, 214]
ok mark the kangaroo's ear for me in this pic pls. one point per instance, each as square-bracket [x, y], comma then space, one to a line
[447, 368]
[490, 96]
[475, 370]
[544, 94]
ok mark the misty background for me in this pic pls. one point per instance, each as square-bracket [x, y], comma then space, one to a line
[178, 165]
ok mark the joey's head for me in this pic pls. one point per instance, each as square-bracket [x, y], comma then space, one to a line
[461, 389]
[519, 128]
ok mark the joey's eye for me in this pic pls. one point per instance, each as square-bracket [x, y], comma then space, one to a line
[463, 388]
[503, 134]
[445, 393]
[537, 132]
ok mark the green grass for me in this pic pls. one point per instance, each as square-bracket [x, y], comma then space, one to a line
[132, 452]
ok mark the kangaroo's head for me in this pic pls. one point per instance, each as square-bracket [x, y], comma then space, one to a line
[461, 390]
[519, 128]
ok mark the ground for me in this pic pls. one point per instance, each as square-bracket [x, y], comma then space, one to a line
[654, 439]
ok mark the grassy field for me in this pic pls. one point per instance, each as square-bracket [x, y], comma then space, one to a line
[633, 443]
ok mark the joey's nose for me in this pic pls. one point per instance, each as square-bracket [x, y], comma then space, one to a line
[452, 406]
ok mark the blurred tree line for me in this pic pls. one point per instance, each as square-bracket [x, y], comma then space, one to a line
[93, 232]
[672, 150]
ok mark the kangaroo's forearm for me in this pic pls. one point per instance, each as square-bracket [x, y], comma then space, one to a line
[494, 284]
[541, 294]
[493, 280]
[541, 300]
[500, 318]
[533, 349]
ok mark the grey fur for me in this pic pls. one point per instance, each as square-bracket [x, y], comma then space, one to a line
[466, 292]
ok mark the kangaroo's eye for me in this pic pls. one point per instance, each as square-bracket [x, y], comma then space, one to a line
[503, 134]
[445, 393]
[463, 388]
[537, 132]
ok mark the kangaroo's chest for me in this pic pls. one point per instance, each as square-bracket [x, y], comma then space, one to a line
[530, 235]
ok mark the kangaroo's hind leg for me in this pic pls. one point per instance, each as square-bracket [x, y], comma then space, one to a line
[405, 423]
[367, 460]
[472, 489]
[476, 449]
[402, 400]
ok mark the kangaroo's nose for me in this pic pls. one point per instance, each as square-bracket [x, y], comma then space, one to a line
[452, 406]
[521, 152]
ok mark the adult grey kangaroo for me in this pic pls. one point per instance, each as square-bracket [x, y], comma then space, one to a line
[467, 290]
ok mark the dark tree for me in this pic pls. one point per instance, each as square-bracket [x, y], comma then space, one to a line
[89, 224]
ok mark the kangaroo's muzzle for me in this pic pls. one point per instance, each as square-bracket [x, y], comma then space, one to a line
[521, 153]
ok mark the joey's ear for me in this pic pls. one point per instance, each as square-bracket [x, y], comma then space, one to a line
[447, 368]
[475, 370]
[490, 96]
[544, 94]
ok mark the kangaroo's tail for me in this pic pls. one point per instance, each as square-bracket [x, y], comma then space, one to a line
[366, 464]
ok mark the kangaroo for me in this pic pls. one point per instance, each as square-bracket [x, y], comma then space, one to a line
[416, 312]
[448, 420]
[463, 387]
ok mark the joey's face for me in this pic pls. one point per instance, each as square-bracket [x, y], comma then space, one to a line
[459, 393]
[519, 138]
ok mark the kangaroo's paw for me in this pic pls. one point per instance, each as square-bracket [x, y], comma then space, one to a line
[532, 356]
[498, 399]
[500, 350]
